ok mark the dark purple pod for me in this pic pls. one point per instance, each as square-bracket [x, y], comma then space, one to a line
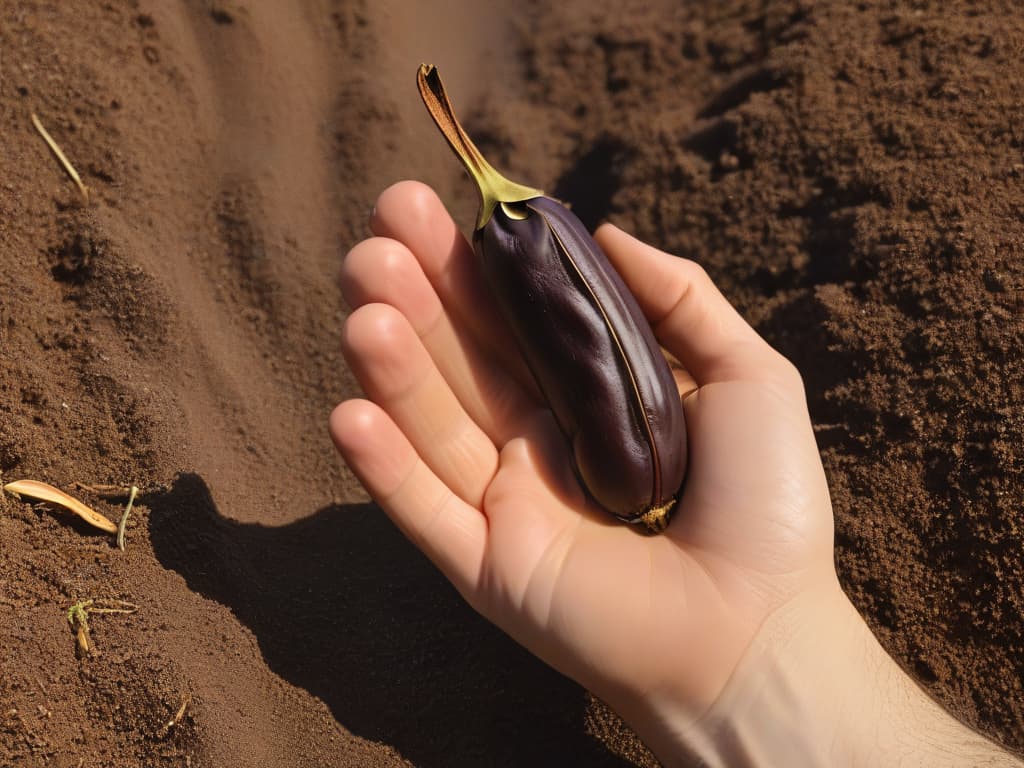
[593, 355]
[582, 334]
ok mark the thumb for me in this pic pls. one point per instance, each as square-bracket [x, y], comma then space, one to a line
[689, 315]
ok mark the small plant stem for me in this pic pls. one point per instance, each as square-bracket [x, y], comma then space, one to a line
[124, 518]
[78, 618]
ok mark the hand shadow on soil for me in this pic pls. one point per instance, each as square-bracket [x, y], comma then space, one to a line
[343, 606]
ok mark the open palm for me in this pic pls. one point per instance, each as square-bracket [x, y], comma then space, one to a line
[455, 445]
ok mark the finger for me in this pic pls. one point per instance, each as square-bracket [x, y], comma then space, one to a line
[450, 532]
[396, 372]
[411, 213]
[385, 271]
[685, 383]
[689, 315]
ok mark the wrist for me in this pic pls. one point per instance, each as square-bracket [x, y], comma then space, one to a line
[815, 688]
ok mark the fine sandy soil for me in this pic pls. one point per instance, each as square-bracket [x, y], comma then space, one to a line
[850, 174]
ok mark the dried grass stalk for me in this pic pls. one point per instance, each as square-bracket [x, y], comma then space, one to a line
[62, 157]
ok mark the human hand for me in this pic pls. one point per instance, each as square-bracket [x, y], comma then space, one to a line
[455, 446]
[726, 639]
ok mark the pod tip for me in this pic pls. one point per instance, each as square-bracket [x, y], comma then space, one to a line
[656, 519]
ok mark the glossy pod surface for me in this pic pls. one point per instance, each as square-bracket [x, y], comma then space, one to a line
[582, 334]
[593, 355]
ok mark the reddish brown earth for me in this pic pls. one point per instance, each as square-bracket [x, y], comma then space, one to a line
[850, 173]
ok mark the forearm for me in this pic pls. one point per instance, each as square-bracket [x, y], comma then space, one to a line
[815, 688]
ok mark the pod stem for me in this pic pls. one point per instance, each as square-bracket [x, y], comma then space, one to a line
[494, 188]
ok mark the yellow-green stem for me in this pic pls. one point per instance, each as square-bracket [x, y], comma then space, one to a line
[494, 188]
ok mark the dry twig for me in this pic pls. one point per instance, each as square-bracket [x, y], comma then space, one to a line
[62, 157]
[174, 721]
[103, 491]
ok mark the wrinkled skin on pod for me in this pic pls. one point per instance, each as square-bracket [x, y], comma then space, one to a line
[582, 334]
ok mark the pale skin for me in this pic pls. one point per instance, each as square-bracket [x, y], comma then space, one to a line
[727, 640]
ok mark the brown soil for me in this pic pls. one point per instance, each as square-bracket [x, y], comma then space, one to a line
[850, 173]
